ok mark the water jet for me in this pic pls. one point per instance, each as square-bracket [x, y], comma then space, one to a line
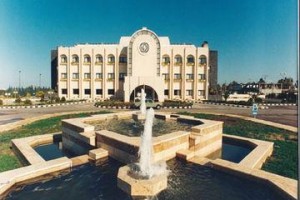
[144, 178]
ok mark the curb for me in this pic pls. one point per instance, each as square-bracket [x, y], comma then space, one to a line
[46, 105]
[261, 106]
[128, 107]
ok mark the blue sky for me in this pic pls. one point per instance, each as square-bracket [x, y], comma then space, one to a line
[254, 38]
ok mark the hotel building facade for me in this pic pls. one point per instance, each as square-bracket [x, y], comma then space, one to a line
[120, 71]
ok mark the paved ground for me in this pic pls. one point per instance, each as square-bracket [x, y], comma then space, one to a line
[280, 114]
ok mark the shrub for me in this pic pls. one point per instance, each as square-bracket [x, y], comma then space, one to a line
[1, 102]
[258, 100]
[27, 102]
[57, 99]
[172, 103]
[18, 100]
[63, 99]
[114, 103]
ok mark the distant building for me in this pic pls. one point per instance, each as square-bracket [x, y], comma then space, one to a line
[213, 68]
[270, 88]
[143, 60]
[238, 97]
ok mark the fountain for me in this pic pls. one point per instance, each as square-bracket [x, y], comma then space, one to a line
[146, 174]
[142, 114]
[143, 102]
[144, 178]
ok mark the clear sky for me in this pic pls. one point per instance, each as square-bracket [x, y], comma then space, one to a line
[254, 38]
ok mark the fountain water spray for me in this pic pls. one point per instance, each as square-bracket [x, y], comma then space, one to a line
[143, 102]
[147, 168]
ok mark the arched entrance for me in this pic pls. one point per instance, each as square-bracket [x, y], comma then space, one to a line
[150, 93]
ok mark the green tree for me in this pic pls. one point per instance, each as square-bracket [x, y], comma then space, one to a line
[40, 94]
[226, 95]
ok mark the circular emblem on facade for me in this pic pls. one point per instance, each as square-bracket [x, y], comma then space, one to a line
[144, 47]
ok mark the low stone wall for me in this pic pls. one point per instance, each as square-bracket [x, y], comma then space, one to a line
[285, 186]
[261, 151]
[23, 148]
[14, 177]
[125, 148]
[78, 137]
[206, 138]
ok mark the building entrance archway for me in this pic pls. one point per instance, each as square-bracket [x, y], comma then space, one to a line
[150, 93]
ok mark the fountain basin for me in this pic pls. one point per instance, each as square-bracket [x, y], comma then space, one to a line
[140, 187]
[138, 117]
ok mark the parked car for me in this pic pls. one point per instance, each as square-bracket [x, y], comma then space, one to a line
[150, 103]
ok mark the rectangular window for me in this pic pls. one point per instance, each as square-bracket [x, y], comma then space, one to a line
[111, 75]
[123, 59]
[166, 92]
[64, 91]
[201, 76]
[177, 76]
[64, 75]
[166, 76]
[189, 92]
[200, 92]
[99, 91]
[87, 91]
[75, 76]
[189, 76]
[177, 92]
[87, 75]
[111, 91]
[75, 91]
[122, 76]
[98, 75]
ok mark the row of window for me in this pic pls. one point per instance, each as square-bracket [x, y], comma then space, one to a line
[98, 76]
[190, 59]
[87, 59]
[187, 92]
[88, 91]
[112, 92]
[177, 76]
[123, 59]
[166, 76]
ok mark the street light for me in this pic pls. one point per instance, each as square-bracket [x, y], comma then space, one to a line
[50, 92]
[15, 93]
[19, 81]
[40, 81]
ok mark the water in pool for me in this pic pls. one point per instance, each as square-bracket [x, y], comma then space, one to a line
[186, 181]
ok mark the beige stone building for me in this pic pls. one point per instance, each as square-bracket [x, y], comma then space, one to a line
[143, 60]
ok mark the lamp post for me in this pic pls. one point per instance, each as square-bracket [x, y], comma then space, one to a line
[51, 95]
[40, 78]
[19, 81]
[15, 93]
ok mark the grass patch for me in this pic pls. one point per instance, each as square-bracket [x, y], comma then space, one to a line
[284, 160]
[8, 159]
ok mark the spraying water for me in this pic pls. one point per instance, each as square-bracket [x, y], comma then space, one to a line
[143, 102]
[147, 168]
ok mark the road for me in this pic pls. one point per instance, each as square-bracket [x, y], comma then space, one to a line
[280, 114]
